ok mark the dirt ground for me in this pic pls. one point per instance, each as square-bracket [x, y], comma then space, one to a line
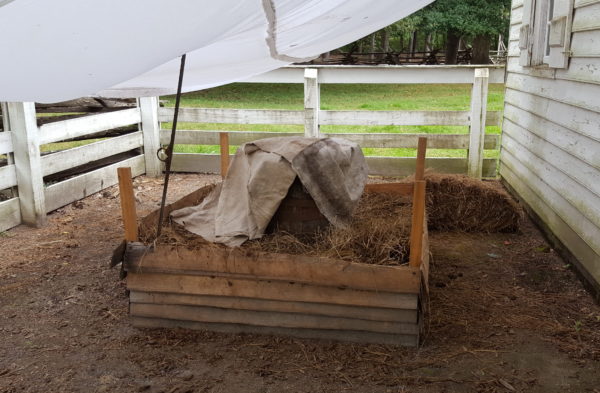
[506, 315]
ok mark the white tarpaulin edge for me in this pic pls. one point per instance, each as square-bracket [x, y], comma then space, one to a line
[54, 50]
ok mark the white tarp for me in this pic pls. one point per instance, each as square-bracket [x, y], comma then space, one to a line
[54, 50]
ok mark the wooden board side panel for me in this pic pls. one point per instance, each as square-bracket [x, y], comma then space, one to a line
[335, 335]
[270, 290]
[239, 303]
[267, 318]
[10, 214]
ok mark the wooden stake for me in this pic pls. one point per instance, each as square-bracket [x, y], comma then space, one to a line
[421, 150]
[418, 218]
[128, 204]
[224, 142]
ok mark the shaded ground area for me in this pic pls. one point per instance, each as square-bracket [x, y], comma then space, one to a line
[506, 315]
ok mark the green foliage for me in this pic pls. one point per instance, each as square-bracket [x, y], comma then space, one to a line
[467, 17]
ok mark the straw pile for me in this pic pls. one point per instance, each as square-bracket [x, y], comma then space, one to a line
[379, 234]
[457, 202]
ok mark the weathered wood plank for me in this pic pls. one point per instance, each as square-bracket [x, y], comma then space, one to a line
[516, 16]
[127, 198]
[578, 222]
[67, 129]
[150, 128]
[479, 97]
[580, 71]
[583, 3]
[70, 158]
[418, 223]
[588, 258]
[388, 74]
[27, 161]
[299, 269]
[405, 166]
[79, 187]
[367, 313]
[377, 140]
[6, 145]
[8, 176]
[270, 290]
[570, 164]
[233, 116]
[359, 337]
[378, 166]
[268, 318]
[312, 103]
[10, 214]
[397, 118]
[580, 146]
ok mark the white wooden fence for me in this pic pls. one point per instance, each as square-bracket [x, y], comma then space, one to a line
[25, 168]
[312, 117]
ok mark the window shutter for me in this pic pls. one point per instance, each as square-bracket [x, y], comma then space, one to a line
[559, 39]
[525, 34]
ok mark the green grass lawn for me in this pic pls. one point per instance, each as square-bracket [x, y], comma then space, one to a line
[340, 97]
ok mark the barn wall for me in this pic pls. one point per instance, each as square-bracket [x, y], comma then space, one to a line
[550, 153]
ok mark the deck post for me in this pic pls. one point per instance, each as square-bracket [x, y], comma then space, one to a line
[478, 115]
[27, 159]
[224, 152]
[150, 127]
[312, 103]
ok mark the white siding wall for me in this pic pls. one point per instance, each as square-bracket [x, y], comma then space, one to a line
[551, 137]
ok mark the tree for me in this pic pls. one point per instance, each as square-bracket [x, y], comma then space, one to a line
[480, 20]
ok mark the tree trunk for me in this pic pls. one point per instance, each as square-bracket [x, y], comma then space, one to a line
[481, 50]
[385, 39]
[452, 40]
[413, 43]
[373, 46]
[428, 43]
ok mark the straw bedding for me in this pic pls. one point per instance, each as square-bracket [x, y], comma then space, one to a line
[380, 229]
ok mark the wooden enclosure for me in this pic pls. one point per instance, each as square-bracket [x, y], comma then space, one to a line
[240, 291]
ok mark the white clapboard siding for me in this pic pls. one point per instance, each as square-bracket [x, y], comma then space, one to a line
[6, 142]
[587, 17]
[584, 227]
[570, 164]
[516, 4]
[581, 146]
[383, 74]
[79, 187]
[580, 94]
[516, 16]
[71, 158]
[550, 152]
[565, 115]
[575, 193]
[73, 128]
[10, 214]
[378, 166]
[8, 176]
[585, 44]
[587, 257]
[383, 140]
[234, 116]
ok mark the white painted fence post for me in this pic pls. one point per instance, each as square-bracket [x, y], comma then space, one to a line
[150, 127]
[27, 159]
[312, 103]
[478, 115]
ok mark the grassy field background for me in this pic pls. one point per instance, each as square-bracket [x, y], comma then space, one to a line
[340, 97]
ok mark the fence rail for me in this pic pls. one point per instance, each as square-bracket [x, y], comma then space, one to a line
[312, 117]
[33, 183]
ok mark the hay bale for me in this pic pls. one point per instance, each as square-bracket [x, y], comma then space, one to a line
[458, 202]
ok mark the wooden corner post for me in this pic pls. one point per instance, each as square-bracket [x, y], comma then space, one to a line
[28, 163]
[479, 96]
[128, 204]
[150, 128]
[418, 210]
[312, 103]
[224, 145]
